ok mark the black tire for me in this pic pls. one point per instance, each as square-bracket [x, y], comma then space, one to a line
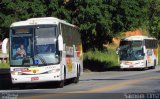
[76, 79]
[145, 68]
[21, 86]
[62, 82]
[122, 69]
[154, 66]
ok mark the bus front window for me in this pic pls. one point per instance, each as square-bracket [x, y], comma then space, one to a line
[131, 50]
[45, 45]
[20, 46]
[34, 45]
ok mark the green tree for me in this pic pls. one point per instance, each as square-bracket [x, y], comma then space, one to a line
[57, 8]
[93, 18]
[99, 20]
[154, 19]
[128, 14]
[16, 10]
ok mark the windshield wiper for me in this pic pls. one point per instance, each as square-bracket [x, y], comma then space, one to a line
[42, 59]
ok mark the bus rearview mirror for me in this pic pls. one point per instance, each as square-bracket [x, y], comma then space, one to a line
[143, 54]
[60, 43]
[117, 50]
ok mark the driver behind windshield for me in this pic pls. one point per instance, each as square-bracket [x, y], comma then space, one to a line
[21, 53]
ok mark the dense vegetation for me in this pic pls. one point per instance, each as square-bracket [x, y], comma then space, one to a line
[99, 20]
[101, 60]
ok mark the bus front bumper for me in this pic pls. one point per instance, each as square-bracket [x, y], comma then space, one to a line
[35, 78]
[132, 64]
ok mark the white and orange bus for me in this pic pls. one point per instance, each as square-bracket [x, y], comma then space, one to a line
[53, 51]
[138, 52]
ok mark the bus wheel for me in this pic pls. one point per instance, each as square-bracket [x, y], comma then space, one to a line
[76, 79]
[122, 69]
[62, 82]
[21, 86]
[154, 66]
[145, 68]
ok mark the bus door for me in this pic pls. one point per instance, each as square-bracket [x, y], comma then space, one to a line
[70, 59]
[150, 57]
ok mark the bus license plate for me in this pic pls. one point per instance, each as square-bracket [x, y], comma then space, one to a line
[34, 78]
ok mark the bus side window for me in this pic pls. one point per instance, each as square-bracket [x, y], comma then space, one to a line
[149, 52]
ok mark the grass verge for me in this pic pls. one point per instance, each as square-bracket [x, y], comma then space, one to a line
[4, 65]
[101, 60]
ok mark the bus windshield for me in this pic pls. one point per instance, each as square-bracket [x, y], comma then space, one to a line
[131, 50]
[34, 45]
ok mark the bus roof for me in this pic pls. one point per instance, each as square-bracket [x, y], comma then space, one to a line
[138, 38]
[40, 21]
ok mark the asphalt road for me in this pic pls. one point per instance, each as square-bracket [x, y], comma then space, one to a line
[130, 84]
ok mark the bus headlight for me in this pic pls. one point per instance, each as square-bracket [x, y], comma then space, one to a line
[54, 70]
[51, 71]
[13, 72]
[19, 73]
[57, 70]
[16, 73]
